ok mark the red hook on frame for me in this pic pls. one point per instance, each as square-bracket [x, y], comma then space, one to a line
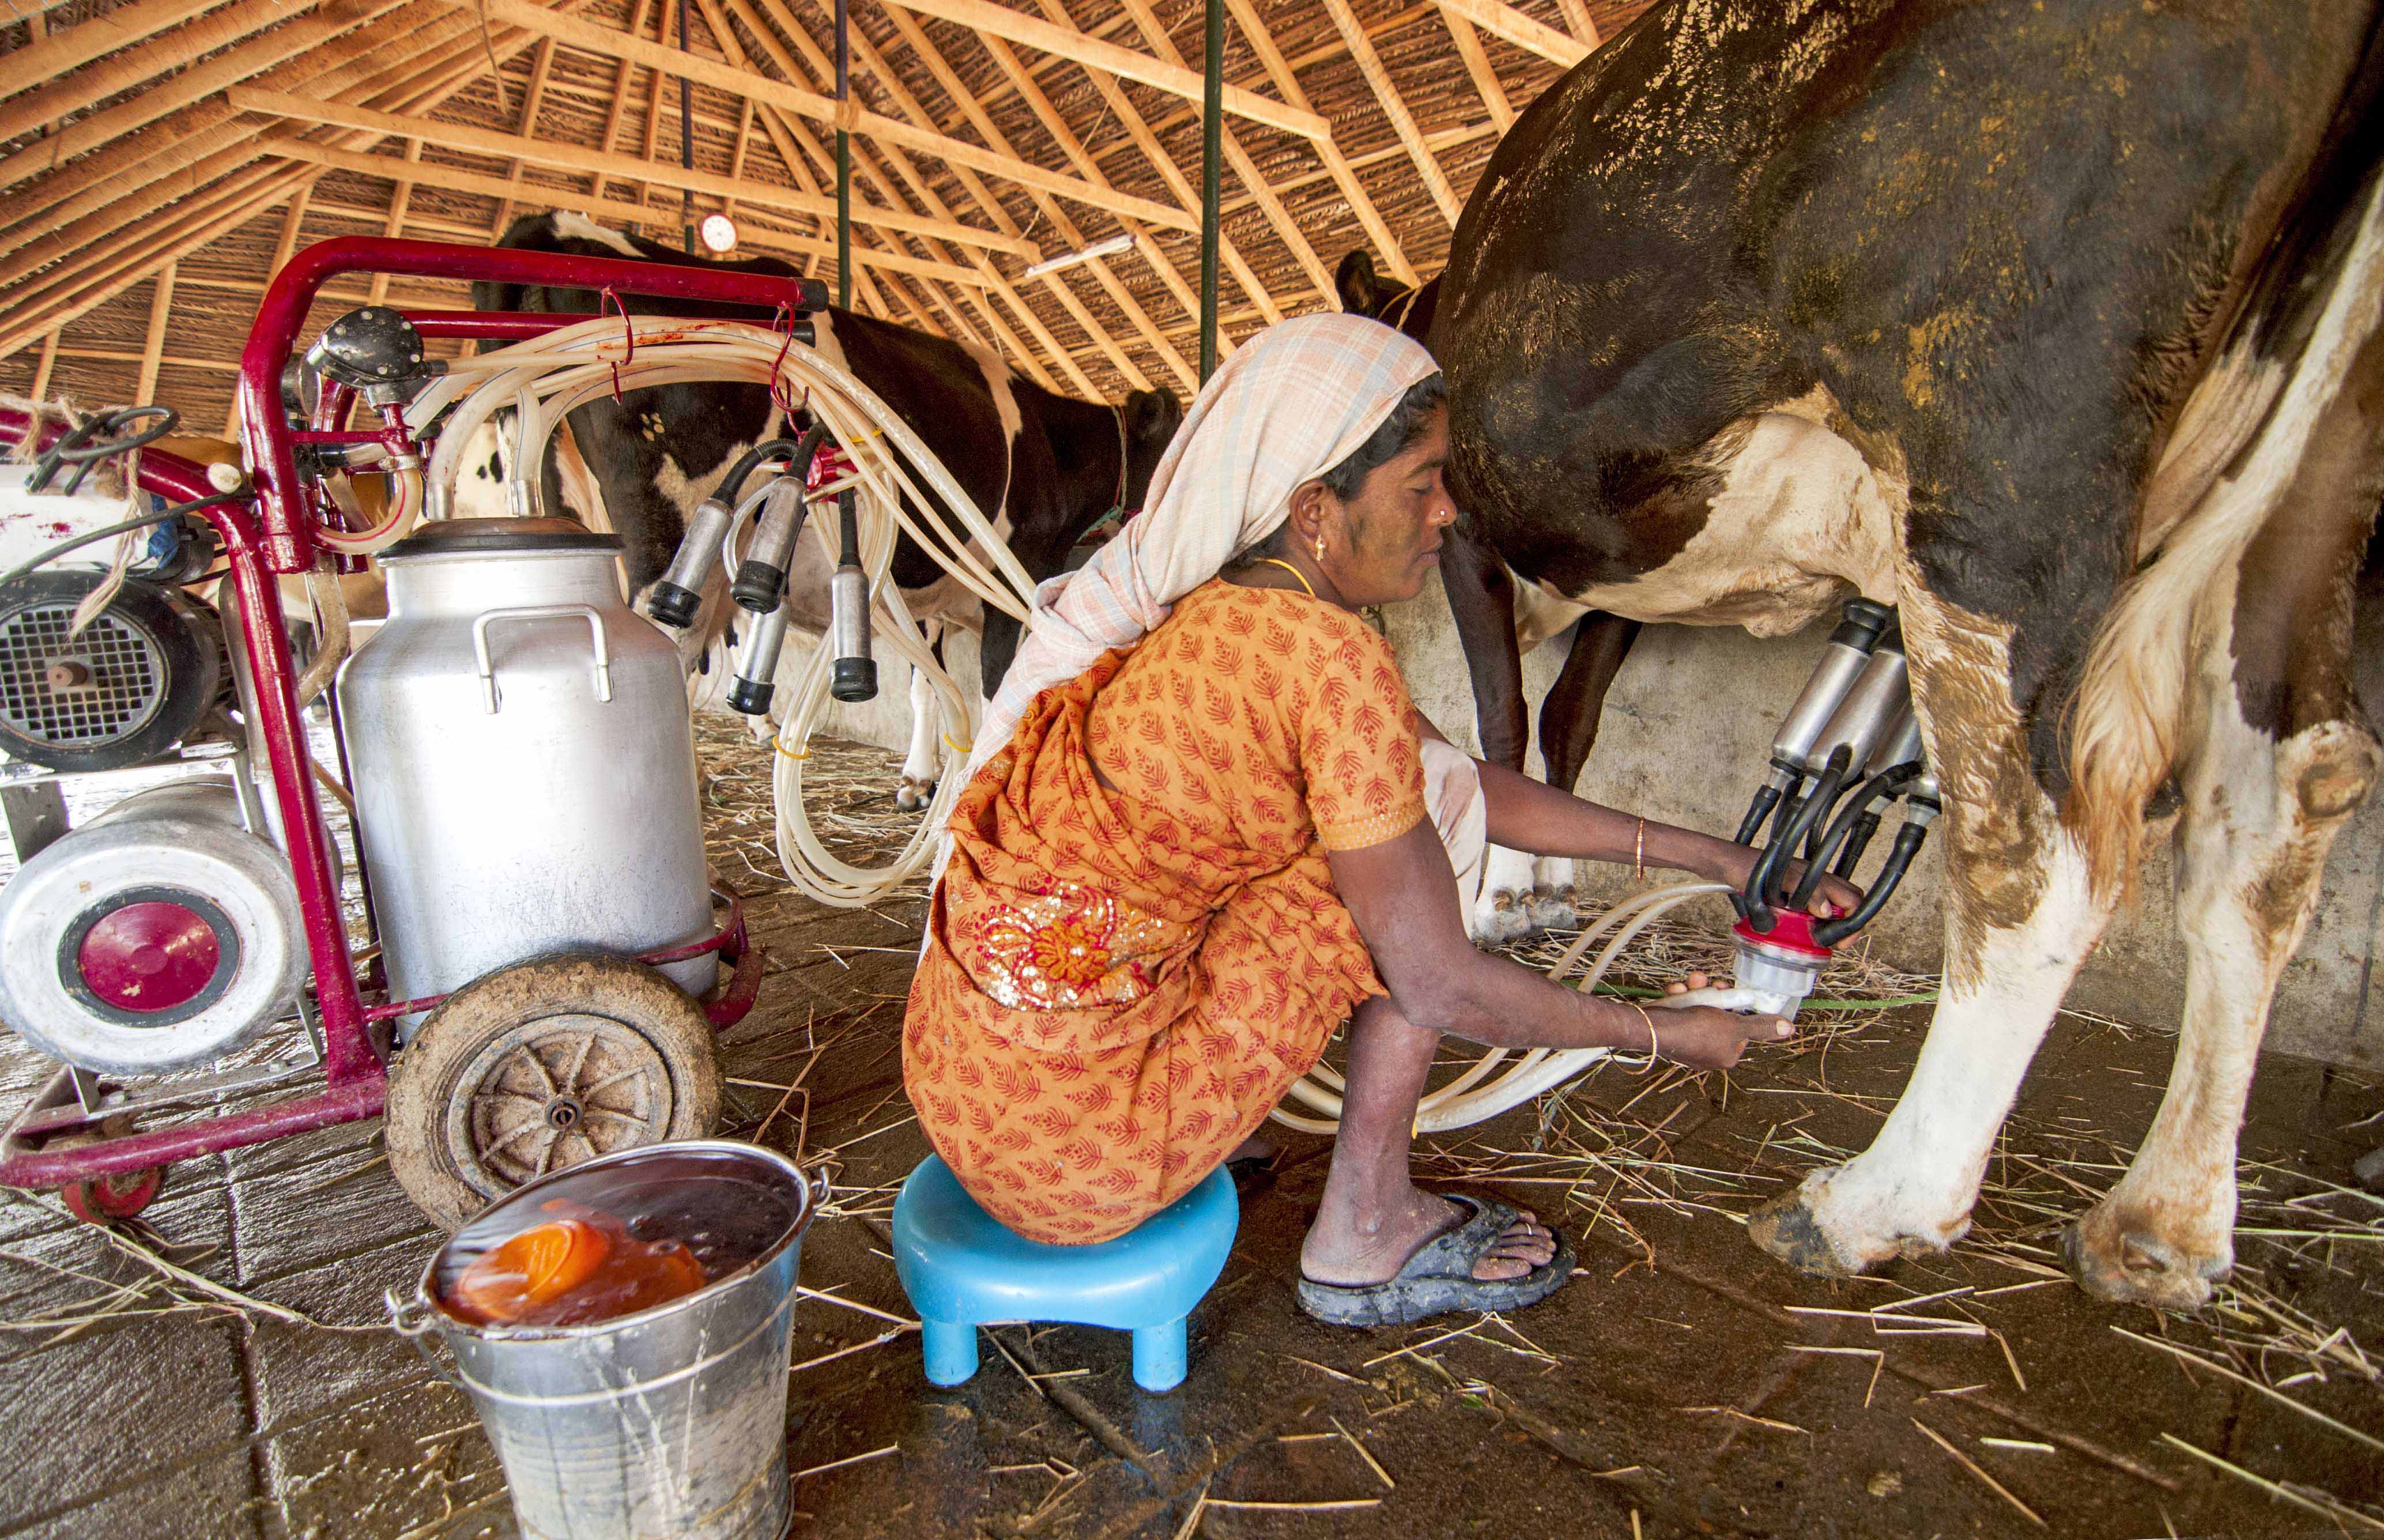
[628, 337]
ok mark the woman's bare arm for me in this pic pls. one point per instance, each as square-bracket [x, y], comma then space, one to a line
[1403, 896]
[1533, 816]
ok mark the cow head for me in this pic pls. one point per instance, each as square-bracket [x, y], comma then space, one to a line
[1363, 293]
[1151, 418]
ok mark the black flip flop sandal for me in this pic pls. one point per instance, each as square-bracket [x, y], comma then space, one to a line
[1439, 1277]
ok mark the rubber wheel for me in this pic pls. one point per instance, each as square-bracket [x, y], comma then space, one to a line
[104, 1200]
[539, 1066]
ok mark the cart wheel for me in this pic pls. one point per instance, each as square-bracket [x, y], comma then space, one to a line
[104, 1200]
[539, 1066]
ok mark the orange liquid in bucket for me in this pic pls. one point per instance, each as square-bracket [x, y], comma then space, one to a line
[581, 1267]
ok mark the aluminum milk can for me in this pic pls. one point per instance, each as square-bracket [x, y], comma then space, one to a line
[523, 765]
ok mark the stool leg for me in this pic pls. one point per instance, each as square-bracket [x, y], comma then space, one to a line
[1159, 1355]
[950, 1349]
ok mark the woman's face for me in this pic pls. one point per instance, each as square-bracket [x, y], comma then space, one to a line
[1394, 524]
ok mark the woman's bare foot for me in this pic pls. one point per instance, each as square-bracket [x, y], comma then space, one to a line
[1351, 1249]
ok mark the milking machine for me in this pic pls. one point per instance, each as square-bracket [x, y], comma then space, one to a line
[855, 453]
[524, 969]
[1847, 749]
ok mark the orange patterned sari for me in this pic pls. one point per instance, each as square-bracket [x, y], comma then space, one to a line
[1119, 984]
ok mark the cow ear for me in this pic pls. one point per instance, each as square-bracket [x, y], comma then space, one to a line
[1361, 292]
[1153, 417]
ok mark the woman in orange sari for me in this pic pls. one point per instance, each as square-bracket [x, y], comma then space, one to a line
[1195, 843]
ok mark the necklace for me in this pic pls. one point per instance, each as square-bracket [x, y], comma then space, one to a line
[1277, 561]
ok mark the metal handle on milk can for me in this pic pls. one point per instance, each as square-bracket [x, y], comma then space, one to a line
[541, 612]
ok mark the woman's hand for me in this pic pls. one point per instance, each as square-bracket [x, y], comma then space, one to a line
[1835, 896]
[1705, 1039]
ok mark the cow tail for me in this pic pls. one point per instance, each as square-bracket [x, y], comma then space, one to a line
[2231, 462]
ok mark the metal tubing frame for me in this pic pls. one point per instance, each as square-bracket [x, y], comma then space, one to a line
[1212, 155]
[272, 534]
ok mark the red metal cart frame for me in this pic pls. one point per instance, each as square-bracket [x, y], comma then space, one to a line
[270, 534]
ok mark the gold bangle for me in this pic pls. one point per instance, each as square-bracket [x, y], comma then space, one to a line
[1650, 1023]
[1639, 862]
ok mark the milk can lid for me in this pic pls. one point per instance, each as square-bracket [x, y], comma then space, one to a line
[459, 537]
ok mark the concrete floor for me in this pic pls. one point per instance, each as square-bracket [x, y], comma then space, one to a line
[1662, 1393]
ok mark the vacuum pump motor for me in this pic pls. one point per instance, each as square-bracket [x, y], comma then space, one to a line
[159, 935]
[125, 689]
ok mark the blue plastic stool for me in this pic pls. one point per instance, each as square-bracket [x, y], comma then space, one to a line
[961, 1267]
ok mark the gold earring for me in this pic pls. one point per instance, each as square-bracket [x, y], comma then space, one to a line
[1320, 547]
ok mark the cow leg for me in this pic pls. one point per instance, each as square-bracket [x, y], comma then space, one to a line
[2020, 917]
[2279, 755]
[1569, 720]
[1482, 601]
[923, 766]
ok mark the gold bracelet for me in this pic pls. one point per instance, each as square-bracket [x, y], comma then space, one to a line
[1650, 1024]
[1639, 853]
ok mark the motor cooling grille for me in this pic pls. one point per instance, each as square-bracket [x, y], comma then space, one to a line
[120, 669]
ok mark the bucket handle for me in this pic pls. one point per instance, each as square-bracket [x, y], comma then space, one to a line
[411, 1319]
[541, 612]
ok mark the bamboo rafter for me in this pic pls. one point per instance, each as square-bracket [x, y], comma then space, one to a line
[1065, 122]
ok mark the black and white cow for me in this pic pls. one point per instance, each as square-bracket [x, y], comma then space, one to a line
[2056, 324]
[1044, 467]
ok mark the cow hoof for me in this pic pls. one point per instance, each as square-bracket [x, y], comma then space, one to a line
[1503, 919]
[1786, 1228]
[1552, 909]
[914, 794]
[2128, 1265]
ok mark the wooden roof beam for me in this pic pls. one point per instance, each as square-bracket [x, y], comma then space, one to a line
[133, 253]
[542, 68]
[891, 84]
[352, 67]
[587, 37]
[429, 72]
[153, 347]
[569, 157]
[1533, 37]
[1579, 22]
[59, 49]
[1336, 165]
[1121, 106]
[1286, 228]
[455, 180]
[1477, 65]
[615, 108]
[792, 138]
[97, 129]
[1097, 268]
[1092, 52]
[400, 197]
[1378, 80]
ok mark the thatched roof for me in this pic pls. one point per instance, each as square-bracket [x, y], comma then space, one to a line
[158, 157]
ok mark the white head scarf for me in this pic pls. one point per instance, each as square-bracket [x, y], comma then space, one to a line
[1287, 406]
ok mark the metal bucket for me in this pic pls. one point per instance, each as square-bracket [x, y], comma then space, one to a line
[667, 1422]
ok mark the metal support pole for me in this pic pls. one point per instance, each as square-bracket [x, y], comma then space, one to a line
[843, 169]
[685, 139]
[1213, 154]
